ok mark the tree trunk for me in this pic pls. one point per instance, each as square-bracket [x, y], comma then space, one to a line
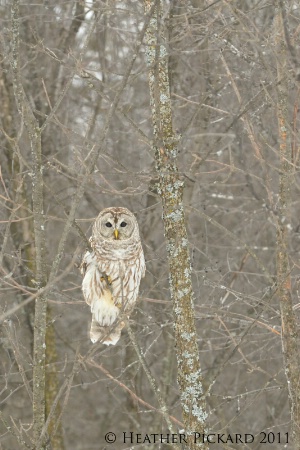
[40, 313]
[289, 333]
[171, 191]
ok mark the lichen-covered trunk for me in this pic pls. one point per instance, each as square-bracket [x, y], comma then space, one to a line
[171, 192]
[288, 320]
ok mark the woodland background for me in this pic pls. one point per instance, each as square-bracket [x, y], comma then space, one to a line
[228, 80]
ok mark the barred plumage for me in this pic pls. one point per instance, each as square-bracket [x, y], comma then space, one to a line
[112, 272]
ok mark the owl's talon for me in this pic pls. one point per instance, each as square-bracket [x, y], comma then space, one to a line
[107, 279]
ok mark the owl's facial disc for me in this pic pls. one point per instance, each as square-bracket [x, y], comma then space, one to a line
[117, 227]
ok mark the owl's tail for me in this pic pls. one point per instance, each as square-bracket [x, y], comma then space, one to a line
[108, 334]
[106, 325]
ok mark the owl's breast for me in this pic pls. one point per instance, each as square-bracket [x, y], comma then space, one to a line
[125, 280]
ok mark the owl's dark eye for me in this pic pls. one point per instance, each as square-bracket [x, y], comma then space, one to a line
[123, 224]
[108, 224]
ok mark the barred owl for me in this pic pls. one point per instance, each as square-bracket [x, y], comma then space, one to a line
[112, 272]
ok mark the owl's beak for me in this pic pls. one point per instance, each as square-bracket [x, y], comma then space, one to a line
[116, 233]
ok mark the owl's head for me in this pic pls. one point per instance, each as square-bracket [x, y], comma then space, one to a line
[116, 224]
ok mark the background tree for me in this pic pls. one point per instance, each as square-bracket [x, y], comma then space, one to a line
[77, 136]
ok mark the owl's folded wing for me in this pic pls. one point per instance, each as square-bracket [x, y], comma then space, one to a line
[97, 292]
[95, 284]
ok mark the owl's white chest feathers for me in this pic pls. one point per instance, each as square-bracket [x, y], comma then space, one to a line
[125, 279]
[124, 274]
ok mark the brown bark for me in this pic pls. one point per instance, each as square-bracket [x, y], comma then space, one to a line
[171, 189]
[40, 313]
[289, 333]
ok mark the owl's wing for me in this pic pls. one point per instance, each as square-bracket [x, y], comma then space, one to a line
[97, 293]
[142, 264]
[95, 284]
[84, 263]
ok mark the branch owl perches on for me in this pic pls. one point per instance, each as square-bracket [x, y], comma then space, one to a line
[112, 272]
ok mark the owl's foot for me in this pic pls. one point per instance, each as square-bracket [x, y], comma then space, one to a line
[107, 279]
